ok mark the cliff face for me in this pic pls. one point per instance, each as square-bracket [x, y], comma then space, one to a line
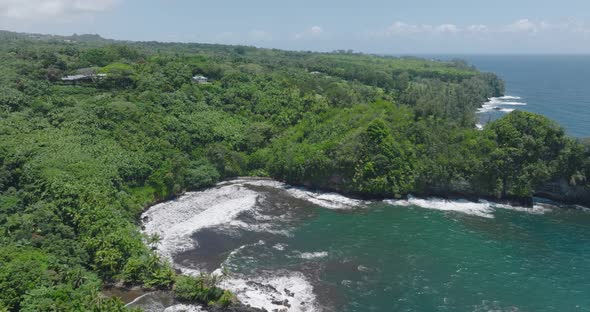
[560, 190]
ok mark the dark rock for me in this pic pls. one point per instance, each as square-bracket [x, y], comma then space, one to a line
[289, 293]
[560, 190]
[235, 308]
[260, 286]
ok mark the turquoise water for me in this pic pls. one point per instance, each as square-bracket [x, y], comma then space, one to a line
[424, 260]
[339, 254]
[555, 86]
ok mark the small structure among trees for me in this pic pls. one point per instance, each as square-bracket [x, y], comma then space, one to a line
[200, 79]
[84, 75]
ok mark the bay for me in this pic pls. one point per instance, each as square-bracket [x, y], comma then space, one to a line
[300, 250]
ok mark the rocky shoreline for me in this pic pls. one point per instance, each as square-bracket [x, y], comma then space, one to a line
[558, 190]
[278, 303]
[164, 300]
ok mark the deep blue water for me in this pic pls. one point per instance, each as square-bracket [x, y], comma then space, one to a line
[557, 87]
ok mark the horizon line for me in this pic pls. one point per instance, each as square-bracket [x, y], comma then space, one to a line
[397, 54]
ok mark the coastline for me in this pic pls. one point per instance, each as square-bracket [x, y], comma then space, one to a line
[479, 207]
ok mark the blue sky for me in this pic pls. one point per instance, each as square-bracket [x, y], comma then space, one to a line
[375, 26]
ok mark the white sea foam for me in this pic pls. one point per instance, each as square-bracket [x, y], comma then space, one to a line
[513, 103]
[326, 200]
[537, 208]
[280, 246]
[175, 221]
[482, 208]
[509, 97]
[464, 206]
[497, 103]
[184, 308]
[260, 227]
[313, 255]
[233, 254]
[263, 290]
[479, 126]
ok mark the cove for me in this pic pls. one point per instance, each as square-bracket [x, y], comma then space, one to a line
[292, 249]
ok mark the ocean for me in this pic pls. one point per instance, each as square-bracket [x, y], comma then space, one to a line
[556, 86]
[292, 249]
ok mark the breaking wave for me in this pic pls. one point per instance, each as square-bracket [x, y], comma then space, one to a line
[287, 290]
[326, 200]
[509, 97]
[175, 221]
[313, 255]
[482, 208]
[184, 308]
[498, 103]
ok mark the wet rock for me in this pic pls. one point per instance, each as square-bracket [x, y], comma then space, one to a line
[289, 293]
[282, 302]
[561, 190]
[265, 287]
[235, 308]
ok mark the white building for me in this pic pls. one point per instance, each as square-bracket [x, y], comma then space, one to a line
[200, 79]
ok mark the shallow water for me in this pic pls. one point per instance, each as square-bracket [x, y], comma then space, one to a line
[325, 252]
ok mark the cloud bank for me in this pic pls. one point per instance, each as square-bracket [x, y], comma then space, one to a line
[33, 10]
[522, 26]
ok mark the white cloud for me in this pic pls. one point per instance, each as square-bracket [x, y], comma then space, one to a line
[479, 28]
[316, 30]
[574, 26]
[447, 28]
[523, 25]
[571, 26]
[42, 9]
[310, 33]
[401, 28]
[405, 29]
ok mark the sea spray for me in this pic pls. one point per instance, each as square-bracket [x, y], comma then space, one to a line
[499, 103]
[482, 208]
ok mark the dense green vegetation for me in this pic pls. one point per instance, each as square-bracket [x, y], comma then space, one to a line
[79, 162]
[202, 289]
